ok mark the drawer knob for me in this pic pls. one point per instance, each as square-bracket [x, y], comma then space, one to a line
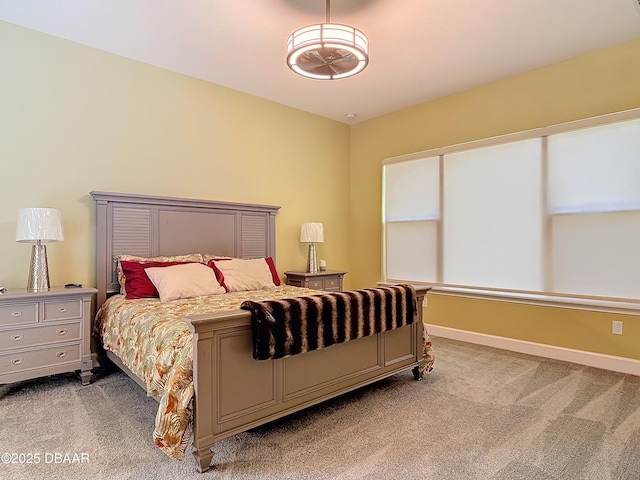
[16, 314]
[17, 338]
[62, 331]
[63, 309]
[17, 361]
[61, 354]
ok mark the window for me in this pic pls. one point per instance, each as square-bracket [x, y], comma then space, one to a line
[556, 210]
[594, 204]
[411, 213]
[487, 241]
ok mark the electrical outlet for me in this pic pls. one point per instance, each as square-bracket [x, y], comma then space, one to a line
[616, 327]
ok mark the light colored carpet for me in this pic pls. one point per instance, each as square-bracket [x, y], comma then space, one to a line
[483, 414]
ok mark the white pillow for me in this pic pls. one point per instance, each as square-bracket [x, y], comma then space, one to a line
[207, 257]
[240, 274]
[184, 281]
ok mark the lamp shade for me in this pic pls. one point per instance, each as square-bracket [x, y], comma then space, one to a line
[43, 224]
[312, 233]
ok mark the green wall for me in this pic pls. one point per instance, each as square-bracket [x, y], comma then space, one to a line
[601, 82]
[75, 119]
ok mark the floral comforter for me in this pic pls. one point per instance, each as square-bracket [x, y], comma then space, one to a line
[154, 342]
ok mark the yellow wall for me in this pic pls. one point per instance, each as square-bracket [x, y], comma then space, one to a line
[601, 82]
[75, 119]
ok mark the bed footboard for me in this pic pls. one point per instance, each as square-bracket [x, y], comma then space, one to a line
[234, 392]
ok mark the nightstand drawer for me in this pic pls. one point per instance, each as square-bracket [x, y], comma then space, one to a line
[332, 283]
[29, 337]
[62, 310]
[46, 357]
[18, 313]
[317, 284]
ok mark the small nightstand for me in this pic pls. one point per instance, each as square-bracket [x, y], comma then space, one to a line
[44, 333]
[329, 280]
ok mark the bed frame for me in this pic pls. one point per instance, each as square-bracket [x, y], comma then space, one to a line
[234, 392]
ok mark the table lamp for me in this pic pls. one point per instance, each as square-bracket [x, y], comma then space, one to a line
[312, 233]
[39, 226]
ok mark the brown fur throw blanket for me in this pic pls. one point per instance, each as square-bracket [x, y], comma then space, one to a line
[295, 325]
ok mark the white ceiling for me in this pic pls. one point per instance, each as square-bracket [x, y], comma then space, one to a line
[419, 49]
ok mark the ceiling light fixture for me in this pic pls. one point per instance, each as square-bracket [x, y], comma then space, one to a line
[327, 51]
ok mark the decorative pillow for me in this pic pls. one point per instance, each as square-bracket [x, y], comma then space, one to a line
[238, 275]
[272, 269]
[192, 257]
[185, 280]
[207, 257]
[137, 283]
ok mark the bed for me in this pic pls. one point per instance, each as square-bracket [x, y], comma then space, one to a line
[221, 385]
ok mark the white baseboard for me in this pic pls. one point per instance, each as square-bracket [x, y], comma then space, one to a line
[591, 359]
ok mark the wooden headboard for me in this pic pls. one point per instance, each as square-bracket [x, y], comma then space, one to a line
[150, 226]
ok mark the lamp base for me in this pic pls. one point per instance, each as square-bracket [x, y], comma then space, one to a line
[38, 270]
[312, 259]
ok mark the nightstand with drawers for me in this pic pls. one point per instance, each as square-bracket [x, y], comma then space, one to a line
[329, 280]
[44, 333]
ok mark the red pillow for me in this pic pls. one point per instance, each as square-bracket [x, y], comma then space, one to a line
[219, 276]
[274, 273]
[137, 283]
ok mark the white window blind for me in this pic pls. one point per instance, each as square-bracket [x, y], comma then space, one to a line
[595, 169]
[594, 197]
[553, 211]
[411, 212]
[412, 190]
[492, 216]
[411, 251]
[597, 254]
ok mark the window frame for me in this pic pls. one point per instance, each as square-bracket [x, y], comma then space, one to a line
[546, 295]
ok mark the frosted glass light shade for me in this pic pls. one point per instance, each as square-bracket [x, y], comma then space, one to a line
[312, 233]
[327, 51]
[43, 224]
